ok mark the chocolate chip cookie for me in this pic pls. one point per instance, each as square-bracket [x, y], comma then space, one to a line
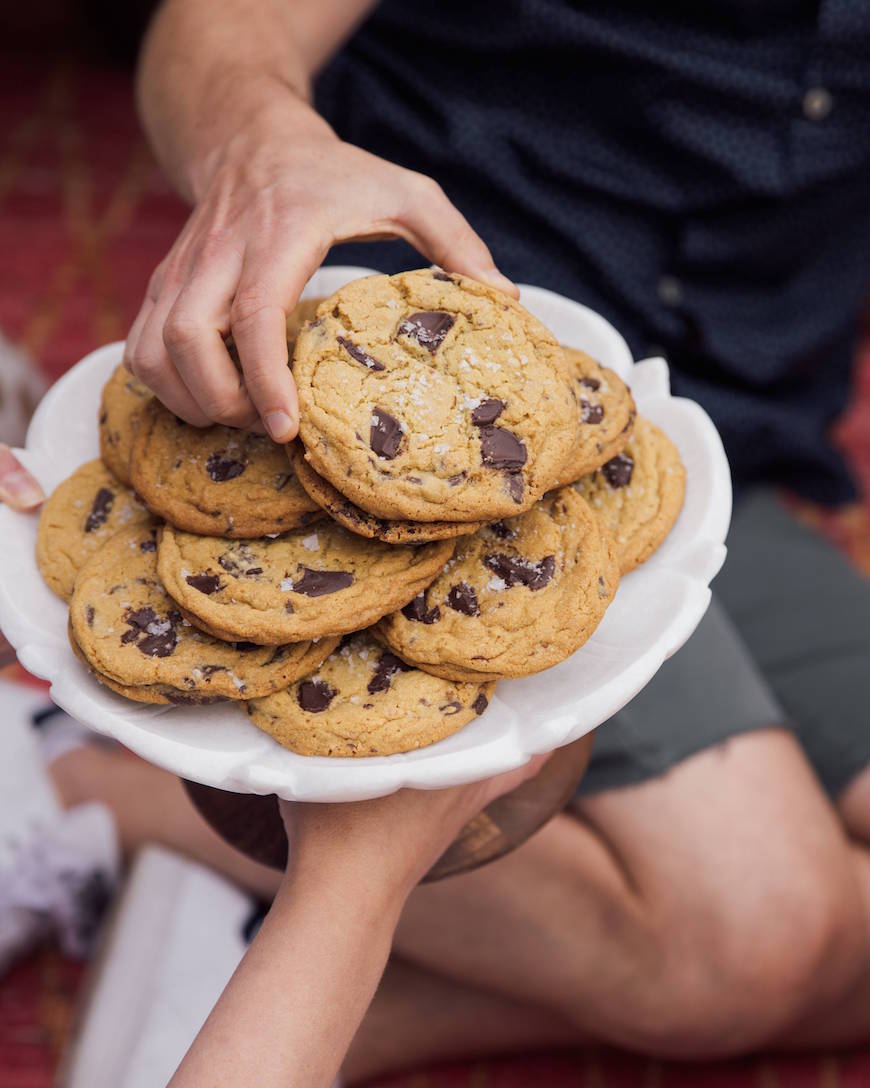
[217, 480]
[317, 581]
[431, 397]
[131, 633]
[638, 494]
[519, 596]
[358, 521]
[122, 402]
[365, 701]
[78, 518]
[604, 415]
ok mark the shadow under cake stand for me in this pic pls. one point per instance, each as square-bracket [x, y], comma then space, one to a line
[252, 823]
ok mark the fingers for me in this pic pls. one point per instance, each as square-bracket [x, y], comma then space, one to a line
[195, 344]
[269, 287]
[18, 488]
[438, 230]
[145, 354]
[151, 364]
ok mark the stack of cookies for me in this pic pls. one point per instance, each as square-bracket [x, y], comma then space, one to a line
[458, 509]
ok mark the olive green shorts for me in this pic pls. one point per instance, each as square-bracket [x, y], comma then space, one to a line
[786, 641]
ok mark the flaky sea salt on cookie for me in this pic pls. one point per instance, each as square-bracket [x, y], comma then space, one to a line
[431, 397]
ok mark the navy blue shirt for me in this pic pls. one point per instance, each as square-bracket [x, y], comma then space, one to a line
[698, 173]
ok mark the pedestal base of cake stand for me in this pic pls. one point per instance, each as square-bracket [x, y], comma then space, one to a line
[252, 823]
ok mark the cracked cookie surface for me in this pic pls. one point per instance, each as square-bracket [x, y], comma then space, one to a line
[352, 517]
[431, 397]
[78, 518]
[218, 480]
[519, 596]
[604, 415]
[317, 581]
[365, 701]
[123, 399]
[130, 632]
[638, 494]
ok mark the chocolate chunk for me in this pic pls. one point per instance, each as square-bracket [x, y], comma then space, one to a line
[103, 417]
[205, 583]
[480, 704]
[222, 468]
[153, 636]
[282, 480]
[514, 570]
[617, 471]
[501, 449]
[443, 277]
[591, 413]
[385, 437]
[416, 610]
[515, 486]
[387, 667]
[590, 383]
[208, 671]
[140, 618]
[450, 708]
[237, 561]
[462, 598]
[148, 546]
[428, 328]
[317, 583]
[161, 642]
[603, 591]
[502, 530]
[357, 353]
[457, 479]
[89, 615]
[487, 412]
[103, 502]
[315, 695]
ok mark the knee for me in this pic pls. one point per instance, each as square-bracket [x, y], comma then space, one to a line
[723, 979]
[739, 979]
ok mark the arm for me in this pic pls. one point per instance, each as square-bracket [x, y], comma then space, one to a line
[293, 1006]
[223, 96]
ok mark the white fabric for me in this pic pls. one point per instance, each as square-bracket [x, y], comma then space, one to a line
[176, 940]
[54, 864]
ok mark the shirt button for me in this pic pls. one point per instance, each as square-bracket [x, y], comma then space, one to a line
[670, 290]
[817, 104]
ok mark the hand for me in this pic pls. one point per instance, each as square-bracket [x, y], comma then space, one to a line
[393, 840]
[279, 190]
[21, 491]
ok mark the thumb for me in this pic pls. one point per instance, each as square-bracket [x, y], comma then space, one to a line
[18, 488]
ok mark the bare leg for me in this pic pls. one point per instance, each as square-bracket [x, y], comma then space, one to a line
[847, 1022]
[697, 914]
[150, 805]
[418, 1018]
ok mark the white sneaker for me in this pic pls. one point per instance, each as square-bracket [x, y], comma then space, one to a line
[58, 867]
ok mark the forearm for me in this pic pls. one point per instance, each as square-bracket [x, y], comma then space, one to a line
[293, 1006]
[202, 80]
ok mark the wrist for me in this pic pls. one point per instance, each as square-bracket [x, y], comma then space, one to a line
[246, 116]
[374, 890]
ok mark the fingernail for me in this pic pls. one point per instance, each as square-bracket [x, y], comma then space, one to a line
[280, 426]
